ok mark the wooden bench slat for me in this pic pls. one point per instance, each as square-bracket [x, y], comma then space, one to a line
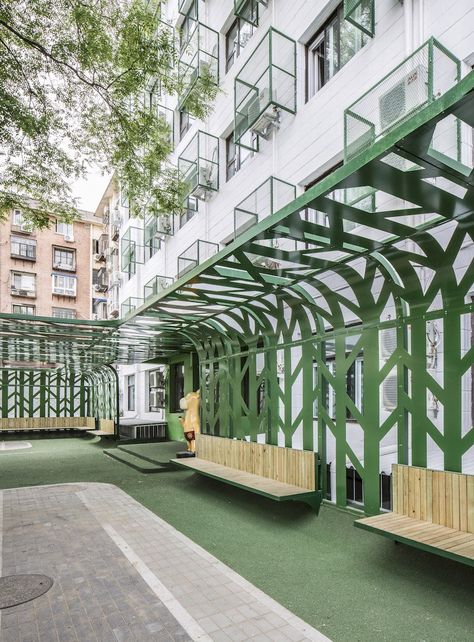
[433, 509]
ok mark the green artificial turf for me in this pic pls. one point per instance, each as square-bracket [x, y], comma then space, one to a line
[350, 584]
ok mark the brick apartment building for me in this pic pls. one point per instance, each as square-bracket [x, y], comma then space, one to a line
[50, 272]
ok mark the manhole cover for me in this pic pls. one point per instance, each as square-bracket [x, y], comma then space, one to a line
[18, 589]
[14, 445]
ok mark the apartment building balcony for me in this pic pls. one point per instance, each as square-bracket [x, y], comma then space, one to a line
[199, 166]
[156, 285]
[23, 249]
[103, 244]
[416, 82]
[195, 254]
[266, 199]
[265, 86]
[102, 284]
[132, 250]
[199, 59]
[129, 305]
[115, 223]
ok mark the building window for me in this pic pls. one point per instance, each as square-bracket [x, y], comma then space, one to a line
[64, 285]
[64, 259]
[23, 248]
[191, 208]
[185, 123]
[95, 246]
[236, 155]
[66, 229]
[64, 313]
[23, 283]
[330, 49]
[354, 386]
[130, 392]
[176, 386]
[235, 40]
[23, 309]
[188, 24]
[18, 222]
[156, 390]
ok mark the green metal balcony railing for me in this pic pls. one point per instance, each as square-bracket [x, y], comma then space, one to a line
[420, 79]
[185, 5]
[248, 10]
[267, 199]
[132, 250]
[265, 86]
[129, 305]
[156, 285]
[199, 165]
[361, 13]
[199, 60]
[195, 254]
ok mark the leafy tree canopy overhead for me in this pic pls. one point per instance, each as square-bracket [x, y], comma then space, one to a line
[76, 79]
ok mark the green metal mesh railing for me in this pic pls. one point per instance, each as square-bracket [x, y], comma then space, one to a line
[265, 85]
[199, 60]
[132, 249]
[361, 13]
[199, 165]
[156, 285]
[415, 83]
[195, 254]
[247, 10]
[267, 199]
[130, 304]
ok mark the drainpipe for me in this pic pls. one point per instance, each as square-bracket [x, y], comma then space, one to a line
[408, 18]
[421, 22]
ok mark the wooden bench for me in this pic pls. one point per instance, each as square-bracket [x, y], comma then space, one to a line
[38, 424]
[106, 429]
[432, 510]
[281, 474]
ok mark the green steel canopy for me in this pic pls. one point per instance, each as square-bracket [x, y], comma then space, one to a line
[326, 250]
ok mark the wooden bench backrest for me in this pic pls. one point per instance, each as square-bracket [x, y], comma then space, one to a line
[296, 467]
[107, 425]
[435, 496]
[29, 423]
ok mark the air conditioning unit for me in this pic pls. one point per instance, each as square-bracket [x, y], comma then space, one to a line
[388, 343]
[163, 284]
[69, 238]
[98, 287]
[165, 224]
[97, 257]
[266, 262]
[262, 116]
[390, 392]
[405, 96]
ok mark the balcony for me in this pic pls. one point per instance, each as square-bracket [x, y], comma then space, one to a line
[102, 281]
[156, 285]
[129, 305]
[199, 166]
[103, 245]
[24, 251]
[248, 10]
[194, 255]
[265, 86]
[267, 199]
[24, 292]
[419, 80]
[115, 223]
[198, 61]
[132, 250]
[361, 14]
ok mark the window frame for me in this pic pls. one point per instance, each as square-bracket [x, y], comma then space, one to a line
[63, 266]
[131, 392]
[333, 23]
[64, 290]
[241, 27]
[20, 273]
[241, 156]
[23, 305]
[22, 240]
[55, 309]
[68, 228]
[188, 212]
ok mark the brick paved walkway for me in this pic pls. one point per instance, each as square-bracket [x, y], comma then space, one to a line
[122, 573]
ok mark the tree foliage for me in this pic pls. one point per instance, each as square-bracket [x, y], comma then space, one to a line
[78, 85]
